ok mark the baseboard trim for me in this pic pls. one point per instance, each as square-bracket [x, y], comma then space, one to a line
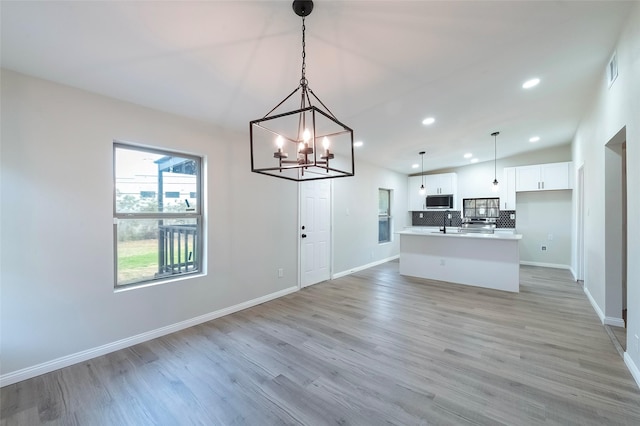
[595, 305]
[545, 265]
[65, 361]
[605, 320]
[616, 322]
[363, 267]
[635, 372]
[573, 274]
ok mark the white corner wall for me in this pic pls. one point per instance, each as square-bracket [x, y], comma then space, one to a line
[56, 256]
[544, 219]
[613, 109]
[355, 217]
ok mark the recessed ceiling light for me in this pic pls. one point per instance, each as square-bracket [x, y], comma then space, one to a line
[474, 160]
[530, 83]
[429, 120]
[534, 139]
[358, 143]
[468, 155]
[415, 166]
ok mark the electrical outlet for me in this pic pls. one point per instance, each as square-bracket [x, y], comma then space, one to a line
[449, 216]
[280, 272]
[420, 215]
[543, 248]
[442, 262]
[512, 216]
[550, 237]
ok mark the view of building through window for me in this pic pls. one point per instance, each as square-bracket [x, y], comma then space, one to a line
[157, 211]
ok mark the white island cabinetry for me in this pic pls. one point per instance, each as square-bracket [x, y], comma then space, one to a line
[481, 260]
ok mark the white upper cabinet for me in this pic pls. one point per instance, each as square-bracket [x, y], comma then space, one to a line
[543, 177]
[417, 202]
[508, 200]
[440, 184]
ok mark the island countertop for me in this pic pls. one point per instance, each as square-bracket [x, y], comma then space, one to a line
[453, 233]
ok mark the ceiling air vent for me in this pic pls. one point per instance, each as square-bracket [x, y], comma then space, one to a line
[612, 69]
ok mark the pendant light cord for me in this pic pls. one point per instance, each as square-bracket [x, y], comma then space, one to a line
[495, 158]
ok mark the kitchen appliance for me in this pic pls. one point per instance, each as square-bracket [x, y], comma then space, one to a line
[440, 201]
[480, 215]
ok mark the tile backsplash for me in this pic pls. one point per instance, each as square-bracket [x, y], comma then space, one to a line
[436, 218]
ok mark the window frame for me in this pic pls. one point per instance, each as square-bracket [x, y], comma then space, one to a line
[196, 213]
[386, 215]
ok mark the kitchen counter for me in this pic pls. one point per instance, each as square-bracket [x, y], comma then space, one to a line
[482, 260]
[453, 232]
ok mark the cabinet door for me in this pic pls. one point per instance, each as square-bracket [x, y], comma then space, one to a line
[528, 178]
[447, 183]
[555, 176]
[432, 182]
[416, 201]
[508, 201]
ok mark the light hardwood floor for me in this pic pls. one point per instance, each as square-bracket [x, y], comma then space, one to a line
[370, 348]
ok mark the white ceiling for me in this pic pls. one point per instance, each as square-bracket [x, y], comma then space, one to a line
[380, 66]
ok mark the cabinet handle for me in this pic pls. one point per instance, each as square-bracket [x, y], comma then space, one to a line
[542, 185]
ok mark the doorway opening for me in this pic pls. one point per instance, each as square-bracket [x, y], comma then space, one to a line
[615, 226]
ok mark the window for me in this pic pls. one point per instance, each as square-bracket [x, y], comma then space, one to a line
[384, 215]
[156, 237]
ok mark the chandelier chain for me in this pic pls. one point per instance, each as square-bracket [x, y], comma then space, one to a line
[303, 79]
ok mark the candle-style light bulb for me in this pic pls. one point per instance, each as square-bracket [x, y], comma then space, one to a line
[325, 143]
[306, 135]
[279, 142]
[301, 147]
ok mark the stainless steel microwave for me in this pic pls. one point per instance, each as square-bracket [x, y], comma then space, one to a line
[440, 201]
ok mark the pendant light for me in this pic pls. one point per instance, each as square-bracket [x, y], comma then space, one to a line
[306, 143]
[423, 189]
[495, 186]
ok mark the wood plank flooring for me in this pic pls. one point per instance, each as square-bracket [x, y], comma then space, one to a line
[366, 349]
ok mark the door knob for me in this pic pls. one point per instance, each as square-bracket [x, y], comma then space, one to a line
[304, 235]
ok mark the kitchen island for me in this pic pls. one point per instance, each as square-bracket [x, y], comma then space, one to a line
[481, 260]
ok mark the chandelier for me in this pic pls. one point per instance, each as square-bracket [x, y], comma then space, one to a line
[307, 143]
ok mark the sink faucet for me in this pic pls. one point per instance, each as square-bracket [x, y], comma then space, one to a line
[444, 222]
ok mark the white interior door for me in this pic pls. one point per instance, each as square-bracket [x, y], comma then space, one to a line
[315, 231]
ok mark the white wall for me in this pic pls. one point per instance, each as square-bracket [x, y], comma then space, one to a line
[57, 228]
[613, 109]
[544, 218]
[355, 217]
